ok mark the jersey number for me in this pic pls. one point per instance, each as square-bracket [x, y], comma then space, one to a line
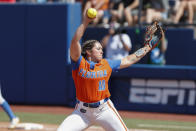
[101, 85]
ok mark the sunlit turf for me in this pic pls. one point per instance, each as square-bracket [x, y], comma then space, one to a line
[131, 123]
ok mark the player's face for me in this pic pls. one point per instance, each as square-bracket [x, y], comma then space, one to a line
[97, 52]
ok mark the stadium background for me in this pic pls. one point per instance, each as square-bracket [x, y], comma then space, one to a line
[35, 67]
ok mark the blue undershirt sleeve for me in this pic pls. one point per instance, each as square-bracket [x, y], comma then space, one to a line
[114, 64]
[76, 64]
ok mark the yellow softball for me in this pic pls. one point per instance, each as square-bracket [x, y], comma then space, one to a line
[92, 13]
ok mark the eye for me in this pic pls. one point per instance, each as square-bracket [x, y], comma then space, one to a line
[99, 48]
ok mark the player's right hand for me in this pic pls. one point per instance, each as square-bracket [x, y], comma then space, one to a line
[86, 19]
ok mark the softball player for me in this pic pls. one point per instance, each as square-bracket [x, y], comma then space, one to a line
[91, 74]
[13, 119]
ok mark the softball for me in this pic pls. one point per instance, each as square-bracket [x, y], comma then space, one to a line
[92, 13]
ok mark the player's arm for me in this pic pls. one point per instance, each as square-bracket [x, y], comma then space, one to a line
[135, 57]
[75, 47]
[153, 35]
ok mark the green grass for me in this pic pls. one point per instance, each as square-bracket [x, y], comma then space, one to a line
[160, 125]
[35, 117]
[131, 123]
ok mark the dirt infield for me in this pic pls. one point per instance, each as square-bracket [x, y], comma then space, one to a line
[65, 110]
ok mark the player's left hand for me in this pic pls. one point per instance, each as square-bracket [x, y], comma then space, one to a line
[153, 35]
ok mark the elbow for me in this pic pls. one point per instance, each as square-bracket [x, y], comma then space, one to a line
[74, 57]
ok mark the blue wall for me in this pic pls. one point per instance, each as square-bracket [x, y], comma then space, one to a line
[173, 90]
[34, 50]
[12, 48]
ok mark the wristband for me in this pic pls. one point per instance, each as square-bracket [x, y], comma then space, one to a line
[139, 52]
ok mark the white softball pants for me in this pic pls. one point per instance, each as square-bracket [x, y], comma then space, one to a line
[105, 115]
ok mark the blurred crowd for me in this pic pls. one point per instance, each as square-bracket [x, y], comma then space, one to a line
[133, 12]
[36, 1]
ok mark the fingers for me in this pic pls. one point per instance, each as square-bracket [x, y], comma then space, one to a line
[86, 19]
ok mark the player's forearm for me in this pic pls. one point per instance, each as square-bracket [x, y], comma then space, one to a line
[75, 47]
[79, 32]
[135, 57]
[142, 52]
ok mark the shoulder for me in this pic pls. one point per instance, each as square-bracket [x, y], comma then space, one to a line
[114, 64]
[76, 64]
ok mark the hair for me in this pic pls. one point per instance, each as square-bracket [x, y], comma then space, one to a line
[88, 45]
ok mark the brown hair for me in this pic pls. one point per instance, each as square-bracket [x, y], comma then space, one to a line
[88, 45]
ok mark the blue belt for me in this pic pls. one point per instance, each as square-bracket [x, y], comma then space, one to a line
[94, 105]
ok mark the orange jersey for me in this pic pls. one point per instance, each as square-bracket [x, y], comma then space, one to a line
[91, 79]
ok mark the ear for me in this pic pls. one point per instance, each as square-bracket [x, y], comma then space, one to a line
[88, 52]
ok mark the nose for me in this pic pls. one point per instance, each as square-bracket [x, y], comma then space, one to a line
[102, 52]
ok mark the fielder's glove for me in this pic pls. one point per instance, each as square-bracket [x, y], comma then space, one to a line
[153, 35]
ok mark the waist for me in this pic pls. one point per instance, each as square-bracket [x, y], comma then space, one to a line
[93, 105]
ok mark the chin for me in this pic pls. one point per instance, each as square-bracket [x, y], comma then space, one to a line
[99, 59]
